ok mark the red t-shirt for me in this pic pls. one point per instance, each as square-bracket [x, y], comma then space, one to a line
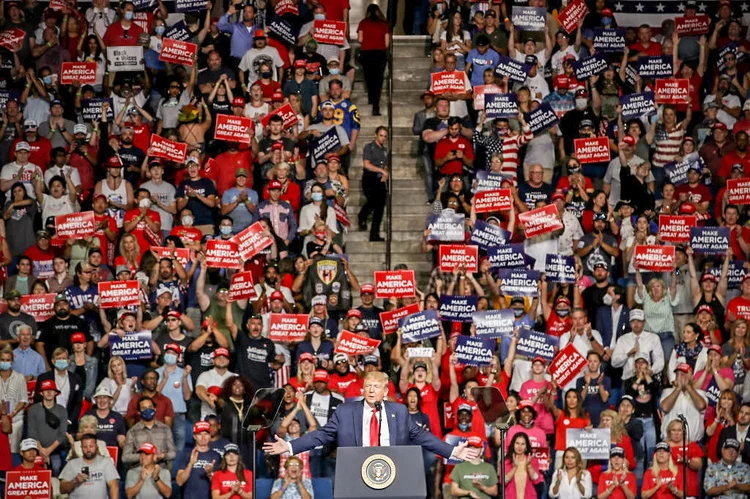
[141, 136]
[117, 36]
[430, 408]
[190, 233]
[340, 383]
[477, 421]
[41, 261]
[99, 234]
[224, 480]
[649, 482]
[729, 159]
[445, 146]
[653, 48]
[696, 194]
[696, 82]
[605, 481]
[738, 308]
[562, 425]
[85, 169]
[374, 34]
[595, 466]
[564, 184]
[39, 154]
[693, 450]
[269, 88]
[335, 9]
[298, 385]
[226, 165]
[557, 326]
[140, 229]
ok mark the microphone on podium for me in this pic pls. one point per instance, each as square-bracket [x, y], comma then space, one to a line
[379, 407]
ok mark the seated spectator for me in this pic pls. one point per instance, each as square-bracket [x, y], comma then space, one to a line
[728, 475]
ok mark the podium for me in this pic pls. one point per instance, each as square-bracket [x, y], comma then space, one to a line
[380, 472]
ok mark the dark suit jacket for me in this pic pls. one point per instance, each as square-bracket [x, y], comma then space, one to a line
[75, 399]
[731, 432]
[603, 323]
[345, 429]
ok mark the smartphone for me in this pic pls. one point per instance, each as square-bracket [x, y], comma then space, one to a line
[85, 470]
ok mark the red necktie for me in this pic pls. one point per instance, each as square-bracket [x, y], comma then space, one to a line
[374, 427]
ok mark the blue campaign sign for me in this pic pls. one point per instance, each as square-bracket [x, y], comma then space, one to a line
[559, 268]
[91, 109]
[637, 105]
[500, 106]
[609, 40]
[709, 240]
[488, 236]
[529, 18]
[677, 171]
[513, 69]
[586, 68]
[457, 308]
[519, 282]
[488, 181]
[541, 119]
[328, 142]
[507, 256]
[655, 66]
[735, 274]
[419, 326]
[532, 343]
[473, 351]
[493, 323]
[446, 227]
[132, 346]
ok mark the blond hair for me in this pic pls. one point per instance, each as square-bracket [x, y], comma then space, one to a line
[110, 374]
[617, 430]
[656, 469]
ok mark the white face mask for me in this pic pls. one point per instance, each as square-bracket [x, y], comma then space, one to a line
[581, 104]
[187, 220]
[144, 203]
[607, 300]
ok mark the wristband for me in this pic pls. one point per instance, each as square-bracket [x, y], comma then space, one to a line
[78, 94]
[49, 44]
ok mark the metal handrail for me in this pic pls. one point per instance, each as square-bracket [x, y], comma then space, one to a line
[392, 14]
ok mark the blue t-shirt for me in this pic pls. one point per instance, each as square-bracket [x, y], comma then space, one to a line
[109, 428]
[203, 214]
[480, 62]
[198, 485]
[241, 216]
[593, 401]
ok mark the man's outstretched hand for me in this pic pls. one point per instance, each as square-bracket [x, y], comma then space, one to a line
[280, 446]
[464, 453]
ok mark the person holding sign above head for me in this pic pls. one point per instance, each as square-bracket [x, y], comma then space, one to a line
[617, 482]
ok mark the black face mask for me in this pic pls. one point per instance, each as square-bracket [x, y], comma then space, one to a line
[271, 282]
[62, 313]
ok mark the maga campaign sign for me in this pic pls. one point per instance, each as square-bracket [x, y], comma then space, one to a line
[566, 365]
[82, 72]
[242, 287]
[34, 484]
[473, 351]
[395, 284]
[637, 105]
[40, 307]
[131, 346]
[353, 344]
[233, 128]
[178, 52]
[540, 221]
[655, 66]
[448, 81]
[420, 326]
[654, 258]
[493, 323]
[457, 308]
[532, 343]
[492, 201]
[446, 227]
[738, 191]
[676, 228]
[287, 328]
[116, 294]
[559, 268]
[222, 254]
[389, 320]
[75, 225]
[592, 444]
[452, 256]
[672, 90]
[252, 241]
[168, 149]
[709, 240]
[572, 14]
[519, 282]
[487, 235]
[592, 149]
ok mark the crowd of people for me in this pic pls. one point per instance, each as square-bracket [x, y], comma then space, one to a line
[665, 352]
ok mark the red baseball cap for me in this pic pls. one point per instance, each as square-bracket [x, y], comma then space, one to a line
[558, 195]
[174, 347]
[238, 102]
[221, 351]
[277, 295]
[277, 146]
[174, 313]
[201, 426]
[607, 12]
[49, 385]
[78, 338]
[148, 448]
[539, 359]
[704, 308]
[687, 208]
[259, 33]
[321, 375]
[300, 63]
[562, 81]
[629, 140]
[100, 195]
[367, 288]
[277, 97]
[114, 161]
[707, 276]
[715, 348]
[354, 313]
[683, 367]
[274, 184]
[214, 390]
[333, 157]
[474, 441]
[307, 357]
[720, 126]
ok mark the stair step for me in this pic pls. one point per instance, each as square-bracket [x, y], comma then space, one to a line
[398, 237]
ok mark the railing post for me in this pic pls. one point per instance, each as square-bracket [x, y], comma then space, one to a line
[392, 13]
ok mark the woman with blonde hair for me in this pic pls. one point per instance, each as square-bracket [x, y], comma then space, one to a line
[664, 477]
[129, 252]
[617, 482]
[735, 353]
[657, 306]
[119, 385]
[86, 425]
[305, 371]
[619, 437]
[694, 455]
[572, 481]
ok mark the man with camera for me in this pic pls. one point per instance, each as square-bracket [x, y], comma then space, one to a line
[91, 475]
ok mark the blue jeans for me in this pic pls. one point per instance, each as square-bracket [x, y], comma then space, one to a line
[667, 344]
[429, 167]
[648, 441]
[179, 431]
[660, 176]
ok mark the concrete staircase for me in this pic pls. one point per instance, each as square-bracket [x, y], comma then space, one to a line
[411, 70]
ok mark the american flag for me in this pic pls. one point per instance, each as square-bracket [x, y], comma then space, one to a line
[653, 12]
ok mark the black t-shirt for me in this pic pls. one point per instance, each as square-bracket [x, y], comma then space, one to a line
[201, 360]
[131, 156]
[56, 332]
[371, 319]
[530, 195]
[110, 427]
[9, 325]
[162, 339]
[570, 121]
[203, 214]
[253, 357]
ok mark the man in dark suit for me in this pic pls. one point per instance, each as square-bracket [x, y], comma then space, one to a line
[738, 431]
[69, 386]
[612, 321]
[359, 424]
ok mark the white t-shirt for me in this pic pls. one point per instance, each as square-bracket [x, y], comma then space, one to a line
[728, 100]
[56, 170]
[52, 207]
[24, 174]
[253, 58]
[207, 380]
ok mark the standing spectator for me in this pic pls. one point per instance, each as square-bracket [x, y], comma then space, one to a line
[47, 423]
[102, 479]
[573, 481]
[684, 399]
[148, 430]
[148, 480]
[375, 183]
[199, 195]
[231, 479]
[372, 34]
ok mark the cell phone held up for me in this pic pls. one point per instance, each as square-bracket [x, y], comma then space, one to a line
[85, 470]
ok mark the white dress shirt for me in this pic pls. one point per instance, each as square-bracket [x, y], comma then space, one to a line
[649, 344]
[569, 488]
[367, 415]
[684, 405]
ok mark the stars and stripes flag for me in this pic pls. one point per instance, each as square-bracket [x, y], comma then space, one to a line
[653, 12]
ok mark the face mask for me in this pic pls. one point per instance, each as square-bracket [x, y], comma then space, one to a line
[5, 365]
[170, 359]
[518, 312]
[61, 313]
[144, 203]
[606, 21]
[159, 30]
[148, 414]
[266, 74]
[320, 17]
[607, 300]
[501, 132]
[334, 71]
[47, 80]
[187, 220]
[581, 104]
[225, 230]
[128, 15]
[463, 427]
[317, 196]
[320, 235]
[562, 313]
[61, 364]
